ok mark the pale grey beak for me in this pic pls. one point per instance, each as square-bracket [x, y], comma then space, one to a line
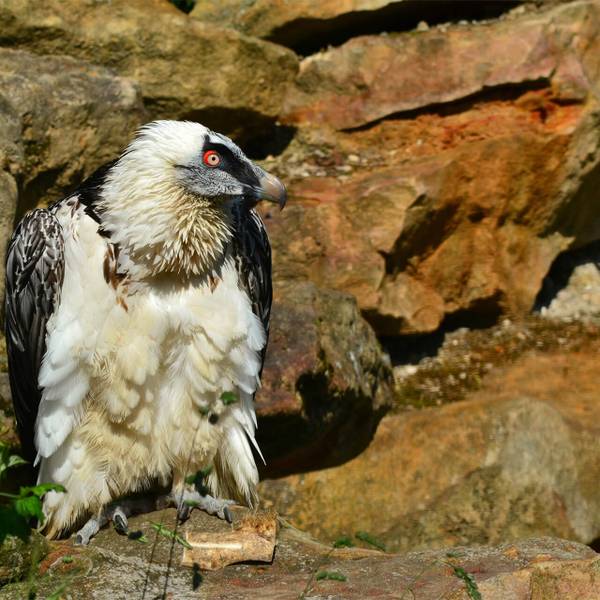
[271, 189]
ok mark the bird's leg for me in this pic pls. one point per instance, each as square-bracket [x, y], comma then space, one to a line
[117, 512]
[189, 492]
[185, 500]
[89, 530]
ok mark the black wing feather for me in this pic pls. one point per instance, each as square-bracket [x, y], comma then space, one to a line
[34, 277]
[252, 252]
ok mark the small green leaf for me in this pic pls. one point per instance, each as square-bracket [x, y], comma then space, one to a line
[29, 507]
[67, 559]
[8, 460]
[470, 583]
[364, 536]
[197, 480]
[228, 398]
[15, 461]
[169, 533]
[333, 575]
[343, 542]
[42, 489]
[204, 473]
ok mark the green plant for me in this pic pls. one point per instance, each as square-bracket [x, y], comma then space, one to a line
[470, 583]
[366, 537]
[228, 398]
[343, 541]
[8, 460]
[17, 510]
[169, 533]
[197, 480]
[333, 575]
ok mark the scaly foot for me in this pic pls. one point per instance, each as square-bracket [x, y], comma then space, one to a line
[117, 512]
[189, 499]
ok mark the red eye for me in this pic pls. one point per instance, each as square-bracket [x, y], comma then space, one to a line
[211, 158]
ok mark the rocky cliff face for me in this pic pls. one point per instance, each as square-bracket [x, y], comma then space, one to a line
[440, 158]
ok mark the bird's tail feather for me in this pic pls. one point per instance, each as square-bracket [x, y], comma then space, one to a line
[235, 474]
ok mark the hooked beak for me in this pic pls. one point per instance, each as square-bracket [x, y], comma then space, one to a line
[271, 189]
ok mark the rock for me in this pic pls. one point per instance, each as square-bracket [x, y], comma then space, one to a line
[18, 556]
[461, 209]
[11, 156]
[447, 366]
[186, 69]
[8, 206]
[59, 120]
[580, 299]
[307, 26]
[325, 384]
[518, 458]
[571, 290]
[373, 77]
[286, 23]
[64, 119]
[113, 566]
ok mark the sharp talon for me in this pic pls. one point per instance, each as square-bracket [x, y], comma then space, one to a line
[183, 513]
[120, 522]
[194, 499]
[79, 540]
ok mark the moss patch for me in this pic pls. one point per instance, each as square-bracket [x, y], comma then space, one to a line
[468, 356]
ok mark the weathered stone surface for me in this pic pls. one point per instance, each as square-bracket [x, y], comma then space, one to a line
[284, 22]
[372, 77]
[325, 384]
[63, 119]
[17, 556]
[462, 209]
[519, 458]
[11, 156]
[115, 567]
[571, 290]
[186, 69]
[8, 205]
[444, 214]
[308, 26]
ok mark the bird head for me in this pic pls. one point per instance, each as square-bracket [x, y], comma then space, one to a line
[170, 200]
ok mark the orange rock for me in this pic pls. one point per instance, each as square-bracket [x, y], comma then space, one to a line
[459, 208]
[518, 458]
[372, 77]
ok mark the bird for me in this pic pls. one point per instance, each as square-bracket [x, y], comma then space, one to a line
[137, 315]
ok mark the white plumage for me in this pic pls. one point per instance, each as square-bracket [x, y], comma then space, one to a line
[161, 309]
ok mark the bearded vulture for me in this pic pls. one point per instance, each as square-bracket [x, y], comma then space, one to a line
[137, 315]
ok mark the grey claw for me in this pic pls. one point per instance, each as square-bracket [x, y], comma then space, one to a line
[119, 520]
[227, 515]
[183, 512]
[186, 501]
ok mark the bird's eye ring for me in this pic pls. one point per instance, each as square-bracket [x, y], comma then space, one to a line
[211, 158]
